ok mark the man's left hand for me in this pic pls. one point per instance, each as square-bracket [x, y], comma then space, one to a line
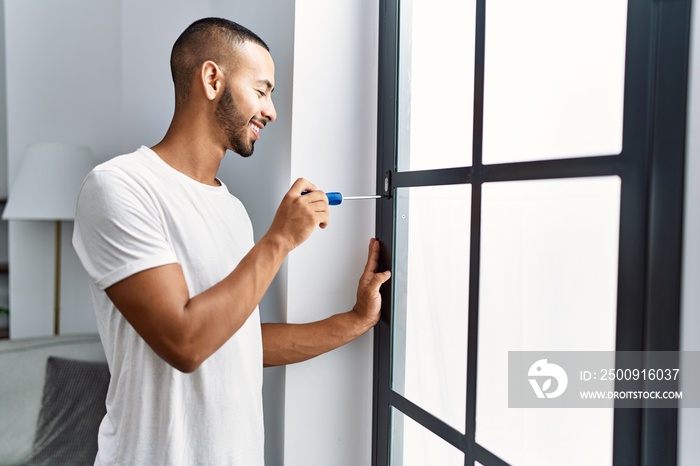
[369, 301]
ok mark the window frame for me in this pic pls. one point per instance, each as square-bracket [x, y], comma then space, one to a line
[651, 167]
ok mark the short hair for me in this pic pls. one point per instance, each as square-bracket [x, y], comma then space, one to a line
[205, 39]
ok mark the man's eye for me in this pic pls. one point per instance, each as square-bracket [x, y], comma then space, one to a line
[262, 93]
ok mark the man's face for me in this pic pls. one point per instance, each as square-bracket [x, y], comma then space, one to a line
[245, 106]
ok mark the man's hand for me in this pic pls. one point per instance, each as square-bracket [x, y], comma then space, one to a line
[369, 301]
[299, 214]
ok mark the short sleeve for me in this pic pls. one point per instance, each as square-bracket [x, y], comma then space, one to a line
[119, 228]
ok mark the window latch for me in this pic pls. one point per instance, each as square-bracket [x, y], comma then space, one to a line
[387, 184]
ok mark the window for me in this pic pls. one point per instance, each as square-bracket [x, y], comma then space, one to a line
[534, 156]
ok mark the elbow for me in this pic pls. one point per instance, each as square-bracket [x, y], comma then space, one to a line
[186, 365]
[182, 347]
[183, 357]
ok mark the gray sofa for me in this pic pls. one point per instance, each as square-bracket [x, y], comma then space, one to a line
[52, 393]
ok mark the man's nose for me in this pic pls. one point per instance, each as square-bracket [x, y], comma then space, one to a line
[269, 111]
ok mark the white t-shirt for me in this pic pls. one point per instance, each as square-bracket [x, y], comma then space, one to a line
[136, 212]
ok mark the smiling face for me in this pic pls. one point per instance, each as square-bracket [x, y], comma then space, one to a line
[245, 105]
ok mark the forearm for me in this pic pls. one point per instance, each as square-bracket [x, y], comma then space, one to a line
[292, 343]
[235, 297]
[230, 302]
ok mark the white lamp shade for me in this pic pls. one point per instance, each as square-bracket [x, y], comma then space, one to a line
[47, 184]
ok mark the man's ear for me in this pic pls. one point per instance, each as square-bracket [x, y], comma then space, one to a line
[211, 78]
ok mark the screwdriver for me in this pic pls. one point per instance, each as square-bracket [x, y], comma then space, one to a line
[336, 198]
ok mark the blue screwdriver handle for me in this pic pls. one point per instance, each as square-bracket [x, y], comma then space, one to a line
[334, 197]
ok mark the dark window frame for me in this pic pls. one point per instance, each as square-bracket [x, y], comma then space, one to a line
[651, 167]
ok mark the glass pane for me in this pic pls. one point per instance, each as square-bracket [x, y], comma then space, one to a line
[553, 79]
[436, 84]
[549, 255]
[431, 293]
[414, 445]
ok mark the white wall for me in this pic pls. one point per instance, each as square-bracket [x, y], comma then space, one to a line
[689, 418]
[3, 127]
[328, 400]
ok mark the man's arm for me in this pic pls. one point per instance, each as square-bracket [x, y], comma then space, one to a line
[185, 332]
[291, 343]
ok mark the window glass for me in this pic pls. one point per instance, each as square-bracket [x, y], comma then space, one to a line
[431, 293]
[553, 79]
[414, 445]
[548, 282]
[436, 84]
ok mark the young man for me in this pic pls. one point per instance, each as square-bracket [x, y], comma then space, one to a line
[176, 277]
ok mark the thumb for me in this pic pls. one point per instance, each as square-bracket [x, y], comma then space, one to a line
[379, 279]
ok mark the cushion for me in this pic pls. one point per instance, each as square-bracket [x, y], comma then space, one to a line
[72, 407]
[22, 375]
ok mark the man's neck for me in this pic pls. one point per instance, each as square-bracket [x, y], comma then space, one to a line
[196, 156]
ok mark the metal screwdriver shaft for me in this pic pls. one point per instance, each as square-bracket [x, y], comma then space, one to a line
[353, 198]
[336, 198]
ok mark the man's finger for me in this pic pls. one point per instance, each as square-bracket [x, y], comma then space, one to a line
[379, 279]
[372, 256]
[302, 185]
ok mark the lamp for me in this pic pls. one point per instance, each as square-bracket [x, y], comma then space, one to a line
[46, 188]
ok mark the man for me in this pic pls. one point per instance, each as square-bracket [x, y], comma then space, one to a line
[176, 277]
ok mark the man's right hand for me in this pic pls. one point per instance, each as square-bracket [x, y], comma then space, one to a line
[302, 209]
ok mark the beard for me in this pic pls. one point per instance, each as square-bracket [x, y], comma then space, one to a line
[234, 125]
